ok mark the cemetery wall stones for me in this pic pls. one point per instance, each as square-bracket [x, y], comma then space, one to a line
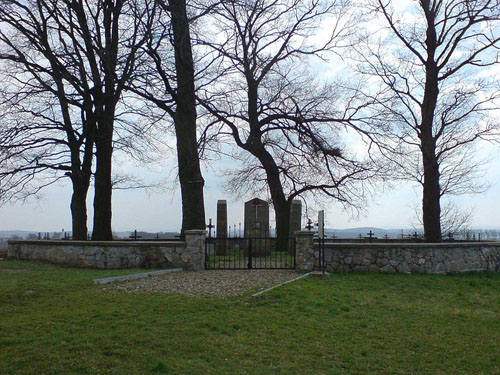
[188, 254]
[339, 257]
[423, 258]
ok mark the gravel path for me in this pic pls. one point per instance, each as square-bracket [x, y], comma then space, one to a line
[207, 283]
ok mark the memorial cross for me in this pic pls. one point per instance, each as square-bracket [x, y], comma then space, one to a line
[256, 204]
[210, 226]
[309, 225]
[134, 236]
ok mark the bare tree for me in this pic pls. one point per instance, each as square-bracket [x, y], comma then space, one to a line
[82, 53]
[168, 81]
[48, 128]
[286, 123]
[432, 102]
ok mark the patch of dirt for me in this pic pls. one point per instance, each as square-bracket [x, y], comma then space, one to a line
[217, 283]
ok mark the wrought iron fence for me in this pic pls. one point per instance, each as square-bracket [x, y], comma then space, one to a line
[249, 253]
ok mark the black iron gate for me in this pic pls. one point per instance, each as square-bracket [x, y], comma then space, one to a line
[249, 253]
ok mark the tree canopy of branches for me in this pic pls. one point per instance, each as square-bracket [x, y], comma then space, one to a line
[68, 62]
[432, 103]
[284, 121]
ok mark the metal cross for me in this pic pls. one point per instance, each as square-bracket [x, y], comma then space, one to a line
[210, 226]
[134, 236]
[309, 225]
[370, 235]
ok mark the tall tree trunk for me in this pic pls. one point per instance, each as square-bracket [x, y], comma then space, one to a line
[281, 204]
[103, 188]
[256, 148]
[191, 179]
[431, 209]
[106, 98]
[79, 209]
[282, 211]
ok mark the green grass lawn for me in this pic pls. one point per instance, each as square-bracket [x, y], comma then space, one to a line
[55, 321]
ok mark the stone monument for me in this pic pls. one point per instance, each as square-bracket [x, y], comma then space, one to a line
[295, 222]
[256, 220]
[221, 229]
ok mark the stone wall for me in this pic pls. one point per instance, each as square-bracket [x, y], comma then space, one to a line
[424, 258]
[188, 254]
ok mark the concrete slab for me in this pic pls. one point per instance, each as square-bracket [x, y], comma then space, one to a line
[108, 280]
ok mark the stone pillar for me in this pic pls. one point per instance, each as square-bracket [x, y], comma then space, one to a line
[221, 229]
[305, 253]
[193, 256]
[295, 217]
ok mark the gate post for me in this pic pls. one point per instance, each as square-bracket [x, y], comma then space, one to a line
[250, 254]
[193, 255]
[305, 254]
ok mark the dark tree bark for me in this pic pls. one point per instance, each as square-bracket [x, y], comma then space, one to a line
[281, 203]
[169, 83]
[112, 68]
[80, 175]
[190, 177]
[107, 95]
[102, 230]
[431, 208]
[79, 211]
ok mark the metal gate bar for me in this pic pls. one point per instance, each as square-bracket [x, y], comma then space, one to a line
[249, 253]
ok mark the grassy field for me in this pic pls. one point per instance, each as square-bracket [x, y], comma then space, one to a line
[55, 321]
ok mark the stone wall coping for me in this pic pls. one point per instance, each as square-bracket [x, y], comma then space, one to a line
[304, 233]
[410, 244]
[99, 243]
[195, 231]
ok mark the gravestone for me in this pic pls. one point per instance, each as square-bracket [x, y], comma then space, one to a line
[256, 221]
[295, 217]
[295, 221]
[221, 229]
